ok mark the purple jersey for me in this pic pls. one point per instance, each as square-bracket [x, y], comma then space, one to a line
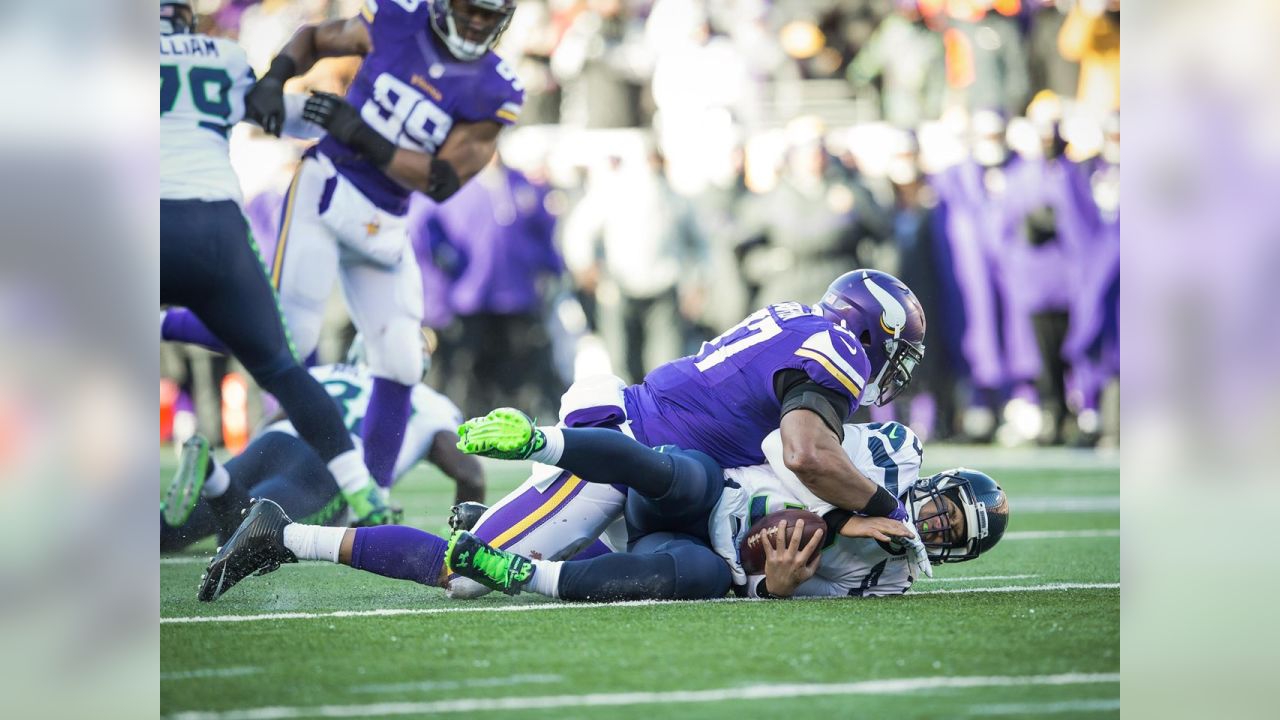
[412, 91]
[722, 401]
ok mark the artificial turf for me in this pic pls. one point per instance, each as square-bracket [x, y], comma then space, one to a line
[945, 653]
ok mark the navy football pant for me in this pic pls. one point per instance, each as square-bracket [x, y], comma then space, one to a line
[277, 466]
[209, 264]
[673, 493]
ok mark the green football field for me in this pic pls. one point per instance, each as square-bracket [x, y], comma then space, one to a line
[1033, 629]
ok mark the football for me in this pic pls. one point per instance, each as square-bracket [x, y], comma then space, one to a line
[751, 551]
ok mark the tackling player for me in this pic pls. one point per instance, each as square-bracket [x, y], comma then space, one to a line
[792, 368]
[207, 497]
[423, 114]
[209, 262]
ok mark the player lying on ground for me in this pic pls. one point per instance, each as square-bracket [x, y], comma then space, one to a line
[208, 498]
[209, 261]
[789, 371]
[958, 513]
[666, 569]
[423, 114]
[795, 369]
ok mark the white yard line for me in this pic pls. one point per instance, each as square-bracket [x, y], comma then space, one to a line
[389, 612]
[549, 606]
[973, 578]
[987, 457]
[1022, 588]
[186, 559]
[430, 685]
[752, 692]
[202, 673]
[1066, 503]
[1060, 534]
[1023, 709]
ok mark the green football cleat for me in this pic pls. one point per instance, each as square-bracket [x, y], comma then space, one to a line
[471, 557]
[368, 508]
[503, 434]
[184, 490]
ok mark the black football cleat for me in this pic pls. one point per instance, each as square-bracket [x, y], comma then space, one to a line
[257, 546]
[465, 515]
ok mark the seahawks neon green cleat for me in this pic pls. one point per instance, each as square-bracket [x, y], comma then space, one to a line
[471, 557]
[368, 508]
[504, 434]
[184, 490]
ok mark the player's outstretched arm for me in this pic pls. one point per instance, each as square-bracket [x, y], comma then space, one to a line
[264, 103]
[331, 38]
[811, 450]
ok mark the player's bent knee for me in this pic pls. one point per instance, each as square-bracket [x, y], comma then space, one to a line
[396, 353]
[700, 573]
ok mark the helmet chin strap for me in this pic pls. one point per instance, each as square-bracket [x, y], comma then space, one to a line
[467, 49]
[871, 391]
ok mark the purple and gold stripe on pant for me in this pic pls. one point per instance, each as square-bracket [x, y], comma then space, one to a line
[282, 237]
[528, 511]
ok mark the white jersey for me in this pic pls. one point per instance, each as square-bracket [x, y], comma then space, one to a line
[350, 386]
[889, 454]
[203, 81]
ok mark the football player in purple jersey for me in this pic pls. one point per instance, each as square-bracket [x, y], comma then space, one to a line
[803, 368]
[798, 369]
[422, 115]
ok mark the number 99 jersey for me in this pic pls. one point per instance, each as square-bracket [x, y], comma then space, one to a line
[202, 85]
[412, 91]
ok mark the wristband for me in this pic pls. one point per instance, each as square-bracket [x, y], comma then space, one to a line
[835, 521]
[762, 591]
[881, 504]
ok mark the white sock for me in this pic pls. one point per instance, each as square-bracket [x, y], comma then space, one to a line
[546, 578]
[314, 542]
[217, 482]
[551, 452]
[349, 470]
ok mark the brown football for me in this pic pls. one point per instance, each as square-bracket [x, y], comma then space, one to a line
[751, 551]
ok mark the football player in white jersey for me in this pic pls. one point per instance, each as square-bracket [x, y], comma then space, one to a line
[277, 465]
[209, 262]
[423, 115]
[958, 514]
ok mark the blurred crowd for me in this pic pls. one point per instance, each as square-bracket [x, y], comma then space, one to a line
[679, 163]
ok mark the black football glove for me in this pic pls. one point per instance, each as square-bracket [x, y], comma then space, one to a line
[264, 103]
[344, 123]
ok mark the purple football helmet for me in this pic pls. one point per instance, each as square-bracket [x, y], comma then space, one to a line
[887, 319]
[470, 28]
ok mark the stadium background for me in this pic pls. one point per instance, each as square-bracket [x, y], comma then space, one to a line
[678, 164]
